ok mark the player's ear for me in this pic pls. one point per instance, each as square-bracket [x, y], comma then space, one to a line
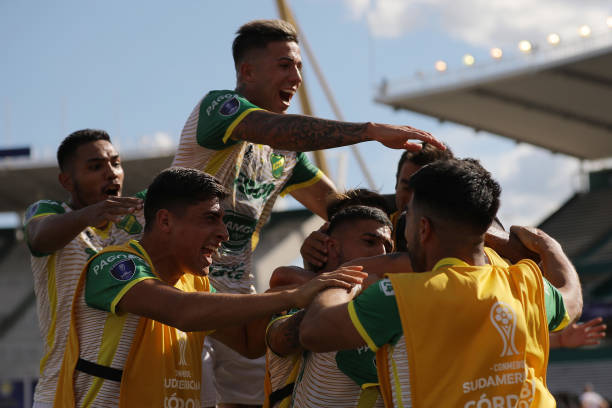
[246, 71]
[163, 220]
[333, 252]
[425, 229]
[65, 179]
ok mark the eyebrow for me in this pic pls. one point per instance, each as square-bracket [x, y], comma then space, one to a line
[97, 159]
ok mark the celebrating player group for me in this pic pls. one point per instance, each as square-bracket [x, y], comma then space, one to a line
[149, 301]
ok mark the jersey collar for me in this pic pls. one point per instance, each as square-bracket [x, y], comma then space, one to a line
[450, 261]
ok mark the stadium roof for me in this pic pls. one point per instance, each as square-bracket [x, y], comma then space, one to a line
[24, 182]
[559, 99]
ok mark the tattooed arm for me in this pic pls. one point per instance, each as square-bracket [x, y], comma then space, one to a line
[283, 335]
[305, 133]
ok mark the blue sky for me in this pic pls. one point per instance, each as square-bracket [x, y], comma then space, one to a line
[138, 68]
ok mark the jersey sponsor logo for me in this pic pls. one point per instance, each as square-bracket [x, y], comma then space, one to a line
[278, 164]
[386, 287]
[123, 270]
[215, 102]
[230, 107]
[232, 271]
[253, 189]
[130, 224]
[504, 320]
[240, 228]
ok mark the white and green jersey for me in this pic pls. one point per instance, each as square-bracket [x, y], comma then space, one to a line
[55, 278]
[254, 174]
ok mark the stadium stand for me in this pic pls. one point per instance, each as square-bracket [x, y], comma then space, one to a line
[583, 226]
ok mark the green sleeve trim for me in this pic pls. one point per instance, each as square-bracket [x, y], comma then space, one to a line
[230, 128]
[141, 194]
[360, 329]
[556, 314]
[123, 291]
[305, 184]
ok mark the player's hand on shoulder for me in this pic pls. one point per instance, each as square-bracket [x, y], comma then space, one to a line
[344, 277]
[398, 136]
[112, 209]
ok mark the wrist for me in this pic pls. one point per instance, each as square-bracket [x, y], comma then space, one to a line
[369, 133]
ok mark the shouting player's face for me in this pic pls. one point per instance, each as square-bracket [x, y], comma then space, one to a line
[94, 174]
[276, 75]
[197, 234]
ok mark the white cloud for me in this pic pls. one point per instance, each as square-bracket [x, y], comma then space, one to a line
[482, 22]
[158, 141]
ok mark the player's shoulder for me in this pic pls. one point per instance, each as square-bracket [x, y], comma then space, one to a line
[121, 264]
[223, 103]
[44, 207]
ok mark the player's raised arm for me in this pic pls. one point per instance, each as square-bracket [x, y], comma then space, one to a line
[52, 232]
[305, 133]
[556, 267]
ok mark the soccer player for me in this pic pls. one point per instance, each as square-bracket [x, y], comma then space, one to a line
[409, 163]
[464, 333]
[61, 237]
[354, 232]
[243, 138]
[140, 309]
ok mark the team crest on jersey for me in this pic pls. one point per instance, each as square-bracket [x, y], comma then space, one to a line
[386, 287]
[123, 270]
[230, 107]
[129, 224]
[278, 164]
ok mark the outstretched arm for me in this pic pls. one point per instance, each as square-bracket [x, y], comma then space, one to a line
[195, 311]
[305, 133]
[53, 232]
[555, 265]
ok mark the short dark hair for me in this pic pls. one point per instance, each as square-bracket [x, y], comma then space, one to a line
[427, 154]
[258, 33]
[352, 197]
[176, 188]
[69, 146]
[458, 190]
[358, 212]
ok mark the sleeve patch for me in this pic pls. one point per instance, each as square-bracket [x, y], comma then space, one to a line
[386, 287]
[230, 107]
[123, 270]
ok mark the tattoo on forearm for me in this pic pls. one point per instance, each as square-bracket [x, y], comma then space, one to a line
[299, 133]
[289, 333]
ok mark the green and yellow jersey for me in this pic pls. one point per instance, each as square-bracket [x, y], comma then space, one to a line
[137, 352]
[55, 279]
[254, 174]
[495, 315]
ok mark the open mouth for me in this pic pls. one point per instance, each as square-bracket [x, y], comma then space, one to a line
[112, 190]
[286, 96]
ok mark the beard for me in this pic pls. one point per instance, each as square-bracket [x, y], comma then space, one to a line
[416, 254]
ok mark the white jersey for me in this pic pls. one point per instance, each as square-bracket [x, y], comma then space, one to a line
[55, 279]
[254, 174]
[322, 384]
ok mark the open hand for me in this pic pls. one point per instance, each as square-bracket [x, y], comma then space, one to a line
[112, 209]
[345, 277]
[398, 137]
